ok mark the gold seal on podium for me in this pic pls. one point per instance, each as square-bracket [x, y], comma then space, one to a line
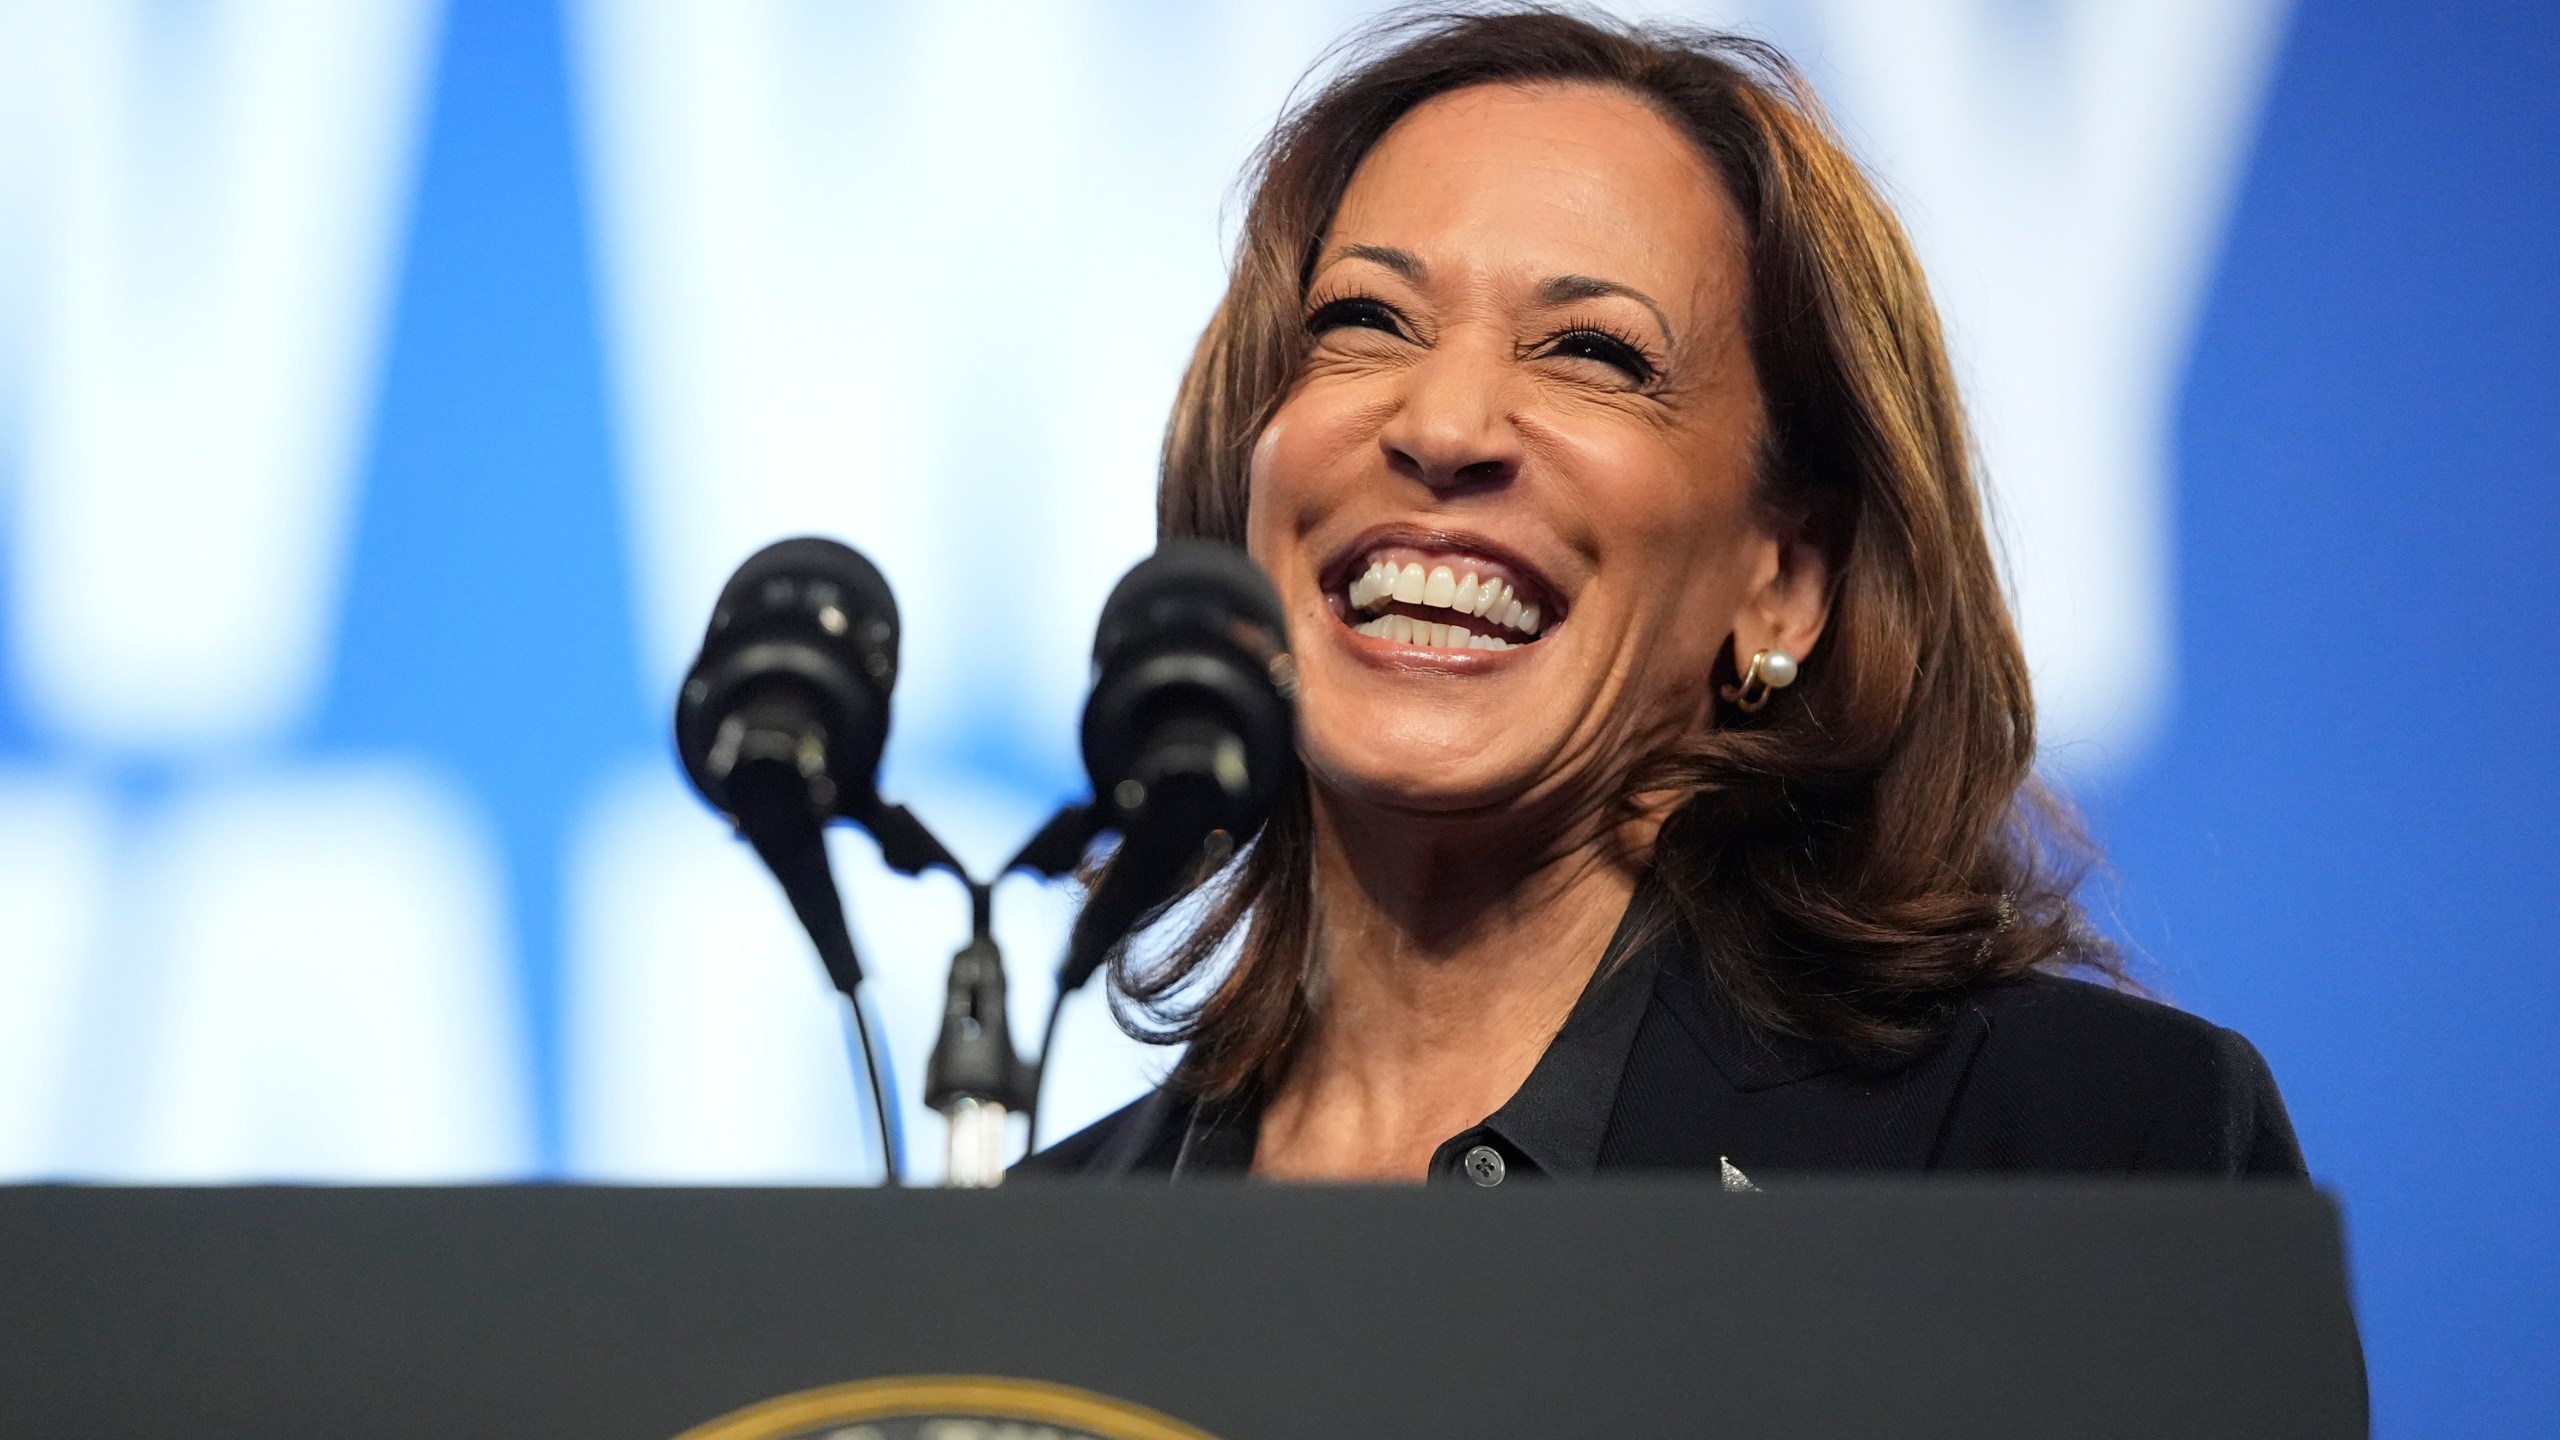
[945, 1407]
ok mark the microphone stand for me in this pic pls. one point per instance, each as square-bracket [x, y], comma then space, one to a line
[974, 1078]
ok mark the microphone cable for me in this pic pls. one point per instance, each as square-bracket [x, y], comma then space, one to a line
[880, 1077]
[1040, 1071]
[890, 1166]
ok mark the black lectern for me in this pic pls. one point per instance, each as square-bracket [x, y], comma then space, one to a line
[1130, 1313]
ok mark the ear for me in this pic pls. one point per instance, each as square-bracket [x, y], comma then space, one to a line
[1788, 601]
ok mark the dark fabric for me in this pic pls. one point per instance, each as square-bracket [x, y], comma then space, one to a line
[2043, 1074]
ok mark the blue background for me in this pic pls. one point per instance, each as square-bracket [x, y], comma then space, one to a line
[2344, 844]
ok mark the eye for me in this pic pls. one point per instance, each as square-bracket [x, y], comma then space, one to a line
[1355, 312]
[1585, 342]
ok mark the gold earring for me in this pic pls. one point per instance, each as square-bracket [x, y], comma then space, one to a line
[1769, 672]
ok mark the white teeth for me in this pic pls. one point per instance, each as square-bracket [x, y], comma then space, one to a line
[1375, 584]
[1405, 630]
[1441, 588]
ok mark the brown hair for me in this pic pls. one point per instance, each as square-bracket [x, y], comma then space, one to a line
[1853, 857]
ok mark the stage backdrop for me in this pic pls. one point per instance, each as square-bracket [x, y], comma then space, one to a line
[385, 390]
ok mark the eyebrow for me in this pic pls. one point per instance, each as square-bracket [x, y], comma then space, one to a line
[1403, 262]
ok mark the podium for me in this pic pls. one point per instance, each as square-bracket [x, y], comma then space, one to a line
[1813, 1308]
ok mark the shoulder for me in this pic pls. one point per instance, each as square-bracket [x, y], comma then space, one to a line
[2041, 1012]
[1137, 1138]
[2077, 1076]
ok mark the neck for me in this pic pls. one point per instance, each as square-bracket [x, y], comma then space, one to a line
[1450, 952]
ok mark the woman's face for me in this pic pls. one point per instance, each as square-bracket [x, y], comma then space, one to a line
[1509, 502]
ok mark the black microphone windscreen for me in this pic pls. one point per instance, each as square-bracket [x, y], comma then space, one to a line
[813, 573]
[805, 634]
[1186, 581]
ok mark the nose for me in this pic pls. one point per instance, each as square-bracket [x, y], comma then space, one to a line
[1451, 429]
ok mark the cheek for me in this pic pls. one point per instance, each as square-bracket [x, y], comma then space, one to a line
[1287, 495]
[1264, 496]
[1672, 513]
[1296, 473]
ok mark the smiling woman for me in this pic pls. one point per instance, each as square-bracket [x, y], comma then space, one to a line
[1668, 747]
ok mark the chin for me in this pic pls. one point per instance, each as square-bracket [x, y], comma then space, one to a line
[1391, 767]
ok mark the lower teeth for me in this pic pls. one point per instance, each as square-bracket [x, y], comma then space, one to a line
[1403, 630]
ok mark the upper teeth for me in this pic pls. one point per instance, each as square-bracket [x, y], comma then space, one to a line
[1441, 588]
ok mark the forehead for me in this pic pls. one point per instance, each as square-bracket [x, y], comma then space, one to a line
[1542, 180]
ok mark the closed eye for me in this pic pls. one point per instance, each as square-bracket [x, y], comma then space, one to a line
[1585, 342]
[1355, 312]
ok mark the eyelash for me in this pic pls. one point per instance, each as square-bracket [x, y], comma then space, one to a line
[1607, 346]
[1361, 310]
[1623, 352]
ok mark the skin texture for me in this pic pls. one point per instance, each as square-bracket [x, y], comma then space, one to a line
[1469, 390]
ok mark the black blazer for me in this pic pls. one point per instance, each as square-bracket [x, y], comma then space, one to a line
[2043, 1074]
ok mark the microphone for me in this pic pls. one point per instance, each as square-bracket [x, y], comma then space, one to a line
[1189, 732]
[785, 712]
[780, 724]
[796, 666]
[1188, 736]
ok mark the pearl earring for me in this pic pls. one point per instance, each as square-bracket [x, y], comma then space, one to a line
[1769, 672]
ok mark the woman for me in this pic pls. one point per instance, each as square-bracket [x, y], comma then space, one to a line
[1668, 797]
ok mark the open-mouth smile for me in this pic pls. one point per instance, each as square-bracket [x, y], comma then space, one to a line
[1441, 594]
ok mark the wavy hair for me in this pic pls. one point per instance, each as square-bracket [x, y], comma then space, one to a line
[1854, 857]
